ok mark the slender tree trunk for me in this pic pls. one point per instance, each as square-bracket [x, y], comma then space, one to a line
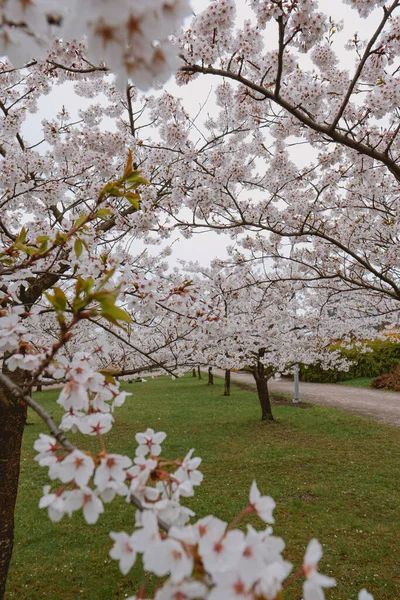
[12, 422]
[262, 390]
[210, 376]
[194, 372]
[199, 372]
[227, 391]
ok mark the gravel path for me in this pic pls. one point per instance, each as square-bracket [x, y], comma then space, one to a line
[383, 407]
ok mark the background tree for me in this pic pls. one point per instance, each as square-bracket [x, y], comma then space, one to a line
[264, 328]
[335, 218]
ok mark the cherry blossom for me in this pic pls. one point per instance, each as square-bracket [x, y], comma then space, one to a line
[27, 362]
[47, 447]
[168, 556]
[188, 470]
[86, 499]
[263, 505]
[221, 553]
[312, 588]
[123, 551]
[55, 504]
[149, 442]
[10, 332]
[185, 590]
[74, 396]
[95, 424]
[364, 595]
[149, 534]
[112, 469]
[77, 467]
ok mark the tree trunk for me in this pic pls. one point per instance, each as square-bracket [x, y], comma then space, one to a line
[210, 376]
[262, 390]
[227, 391]
[199, 372]
[194, 372]
[12, 422]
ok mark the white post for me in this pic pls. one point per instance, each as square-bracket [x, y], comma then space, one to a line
[296, 383]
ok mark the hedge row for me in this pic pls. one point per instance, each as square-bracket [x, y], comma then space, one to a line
[385, 354]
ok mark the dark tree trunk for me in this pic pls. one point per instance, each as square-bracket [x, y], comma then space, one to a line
[227, 391]
[199, 372]
[262, 390]
[194, 372]
[12, 422]
[39, 388]
[210, 376]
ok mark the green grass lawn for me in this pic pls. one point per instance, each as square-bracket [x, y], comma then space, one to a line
[333, 475]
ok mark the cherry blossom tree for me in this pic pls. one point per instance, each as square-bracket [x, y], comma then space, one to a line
[287, 86]
[266, 328]
[72, 200]
[67, 202]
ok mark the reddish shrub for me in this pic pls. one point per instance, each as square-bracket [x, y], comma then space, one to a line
[388, 381]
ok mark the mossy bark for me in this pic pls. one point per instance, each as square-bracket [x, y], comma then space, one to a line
[261, 380]
[12, 423]
[227, 391]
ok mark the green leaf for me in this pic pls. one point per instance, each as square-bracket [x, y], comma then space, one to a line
[134, 182]
[133, 176]
[116, 191]
[83, 285]
[79, 303]
[61, 238]
[43, 247]
[108, 374]
[112, 188]
[114, 314]
[133, 199]
[21, 236]
[87, 284]
[80, 220]
[104, 214]
[58, 300]
[78, 247]
[30, 250]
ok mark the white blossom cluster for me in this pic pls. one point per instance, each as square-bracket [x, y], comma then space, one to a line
[88, 397]
[11, 330]
[208, 558]
[130, 37]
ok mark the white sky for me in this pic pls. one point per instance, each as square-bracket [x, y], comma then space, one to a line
[208, 245]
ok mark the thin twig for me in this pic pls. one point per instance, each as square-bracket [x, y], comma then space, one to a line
[18, 394]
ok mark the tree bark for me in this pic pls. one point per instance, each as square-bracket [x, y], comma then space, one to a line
[262, 390]
[227, 391]
[199, 372]
[194, 372]
[12, 423]
[210, 376]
